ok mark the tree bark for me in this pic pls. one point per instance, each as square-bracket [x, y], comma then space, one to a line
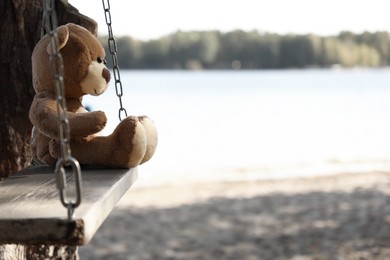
[20, 29]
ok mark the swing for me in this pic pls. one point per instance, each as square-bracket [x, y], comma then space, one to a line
[30, 212]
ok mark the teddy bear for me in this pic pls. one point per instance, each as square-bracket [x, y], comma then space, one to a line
[134, 139]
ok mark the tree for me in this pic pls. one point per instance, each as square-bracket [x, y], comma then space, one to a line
[20, 28]
[155, 54]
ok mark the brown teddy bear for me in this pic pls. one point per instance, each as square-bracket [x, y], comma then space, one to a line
[133, 141]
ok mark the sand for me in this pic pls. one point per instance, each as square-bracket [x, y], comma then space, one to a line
[343, 216]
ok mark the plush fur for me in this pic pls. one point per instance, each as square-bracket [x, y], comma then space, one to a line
[132, 142]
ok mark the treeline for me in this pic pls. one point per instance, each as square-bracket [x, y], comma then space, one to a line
[253, 50]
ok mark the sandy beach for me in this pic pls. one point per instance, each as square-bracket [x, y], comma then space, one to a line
[343, 216]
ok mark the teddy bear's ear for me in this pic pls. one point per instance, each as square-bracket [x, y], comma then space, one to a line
[63, 37]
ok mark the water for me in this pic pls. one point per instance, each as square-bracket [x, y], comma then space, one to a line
[223, 125]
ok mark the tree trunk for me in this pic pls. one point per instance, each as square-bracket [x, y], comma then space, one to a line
[20, 29]
[20, 252]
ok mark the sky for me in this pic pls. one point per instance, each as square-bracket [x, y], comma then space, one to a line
[148, 19]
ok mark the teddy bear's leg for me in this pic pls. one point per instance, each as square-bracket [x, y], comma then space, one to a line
[151, 137]
[125, 147]
[132, 141]
[40, 152]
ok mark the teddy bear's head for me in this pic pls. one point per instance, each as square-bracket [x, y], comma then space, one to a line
[84, 65]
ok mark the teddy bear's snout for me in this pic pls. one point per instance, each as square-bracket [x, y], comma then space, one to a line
[106, 75]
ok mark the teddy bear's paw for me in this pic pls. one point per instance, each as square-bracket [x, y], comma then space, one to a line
[101, 119]
[131, 142]
[151, 137]
[94, 121]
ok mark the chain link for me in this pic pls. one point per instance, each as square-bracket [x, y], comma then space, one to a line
[113, 51]
[57, 70]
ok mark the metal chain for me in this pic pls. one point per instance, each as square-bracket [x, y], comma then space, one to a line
[113, 50]
[57, 70]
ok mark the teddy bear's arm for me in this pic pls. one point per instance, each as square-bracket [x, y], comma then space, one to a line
[85, 124]
[43, 115]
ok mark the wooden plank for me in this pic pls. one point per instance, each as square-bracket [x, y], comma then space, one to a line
[31, 211]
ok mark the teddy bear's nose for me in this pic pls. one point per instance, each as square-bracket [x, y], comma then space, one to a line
[106, 75]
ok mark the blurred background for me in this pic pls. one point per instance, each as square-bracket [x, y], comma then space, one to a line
[273, 120]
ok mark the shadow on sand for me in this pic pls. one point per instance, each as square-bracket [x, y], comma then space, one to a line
[314, 225]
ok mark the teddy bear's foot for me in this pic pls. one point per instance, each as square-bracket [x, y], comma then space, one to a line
[151, 137]
[131, 142]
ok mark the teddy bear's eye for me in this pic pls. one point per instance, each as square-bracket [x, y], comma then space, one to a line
[100, 60]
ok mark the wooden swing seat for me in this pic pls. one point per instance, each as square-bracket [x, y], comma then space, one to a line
[31, 212]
